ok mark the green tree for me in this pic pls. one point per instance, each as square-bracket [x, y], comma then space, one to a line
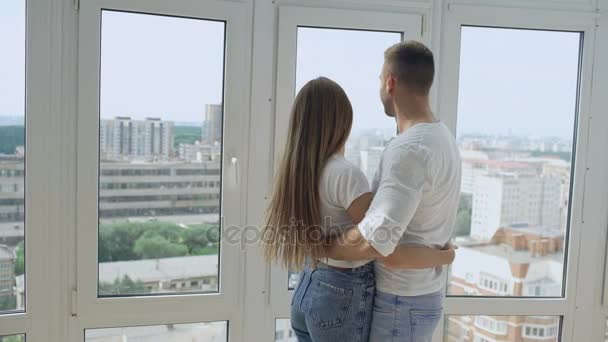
[155, 247]
[170, 231]
[8, 302]
[15, 338]
[213, 235]
[195, 238]
[186, 134]
[123, 286]
[463, 217]
[10, 138]
[20, 260]
[117, 241]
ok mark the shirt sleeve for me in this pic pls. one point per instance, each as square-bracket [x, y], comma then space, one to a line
[396, 200]
[351, 184]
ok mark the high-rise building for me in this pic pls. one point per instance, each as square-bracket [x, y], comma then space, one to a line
[212, 126]
[7, 271]
[518, 261]
[507, 199]
[123, 138]
[12, 180]
[159, 189]
[198, 152]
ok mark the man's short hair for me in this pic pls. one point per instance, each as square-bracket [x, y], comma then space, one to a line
[413, 64]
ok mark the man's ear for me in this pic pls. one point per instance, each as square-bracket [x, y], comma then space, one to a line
[391, 82]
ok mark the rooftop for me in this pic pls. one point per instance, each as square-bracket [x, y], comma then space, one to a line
[155, 270]
[6, 253]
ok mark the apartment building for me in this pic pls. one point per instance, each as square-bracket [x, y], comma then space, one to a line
[7, 271]
[213, 124]
[123, 138]
[159, 189]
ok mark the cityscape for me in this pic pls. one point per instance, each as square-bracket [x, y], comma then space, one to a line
[511, 224]
[159, 208]
[511, 227]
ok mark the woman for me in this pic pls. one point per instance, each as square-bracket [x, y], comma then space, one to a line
[317, 195]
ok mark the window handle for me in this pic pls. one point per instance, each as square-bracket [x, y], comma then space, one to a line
[235, 167]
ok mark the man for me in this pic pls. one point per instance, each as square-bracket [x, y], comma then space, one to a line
[416, 192]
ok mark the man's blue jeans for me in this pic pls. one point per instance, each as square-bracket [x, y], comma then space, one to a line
[405, 319]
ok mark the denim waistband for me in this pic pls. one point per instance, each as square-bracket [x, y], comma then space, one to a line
[367, 268]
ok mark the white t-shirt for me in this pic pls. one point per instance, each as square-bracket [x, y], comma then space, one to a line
[416, 193]
[341, 183]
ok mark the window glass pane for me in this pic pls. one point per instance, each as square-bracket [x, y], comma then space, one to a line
[502, 328]
[283, 332]
[321, 52]
[12, 156]
[160, 154]
[294, 277]
[516, 125]
[197, 332]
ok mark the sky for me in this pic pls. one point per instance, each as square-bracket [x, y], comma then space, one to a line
[354, 60]
[155, 66]
[517, 81]
[12, 58]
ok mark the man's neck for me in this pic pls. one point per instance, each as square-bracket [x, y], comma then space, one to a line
[413, 111]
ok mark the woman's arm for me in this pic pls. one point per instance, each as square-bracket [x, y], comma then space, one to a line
[359, 206]
[407, 257]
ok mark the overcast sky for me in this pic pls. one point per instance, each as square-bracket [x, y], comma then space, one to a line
[12, 58]
[517, 81]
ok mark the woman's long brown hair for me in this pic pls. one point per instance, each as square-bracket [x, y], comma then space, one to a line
[321, 119]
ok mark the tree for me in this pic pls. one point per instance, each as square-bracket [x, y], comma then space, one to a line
[123, 286]
[155, 247]
[116, 241]
[463, 217]
[186, 135]
[16, 338]
[195, 238]
[8, 302]
[170, 231]
[20, 259]
[213, 235]
[10, 138]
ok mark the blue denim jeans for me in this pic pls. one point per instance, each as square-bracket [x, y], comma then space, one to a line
[405, 319]
[332, 305]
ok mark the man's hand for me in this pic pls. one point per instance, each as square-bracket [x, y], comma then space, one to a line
[419, 257]
[449, 246]
[450, 250]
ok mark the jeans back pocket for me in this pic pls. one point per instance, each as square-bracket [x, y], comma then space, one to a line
[330, 304]
[424, 323]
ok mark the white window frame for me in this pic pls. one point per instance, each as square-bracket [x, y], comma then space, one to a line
[600, 103]
[53, 233]
[459, 15]
[410, 25]
[225, 305]
[40, 134]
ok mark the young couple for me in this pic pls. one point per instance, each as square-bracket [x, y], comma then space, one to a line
[372, 258]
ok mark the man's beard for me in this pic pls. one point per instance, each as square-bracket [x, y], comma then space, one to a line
[388, 109]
